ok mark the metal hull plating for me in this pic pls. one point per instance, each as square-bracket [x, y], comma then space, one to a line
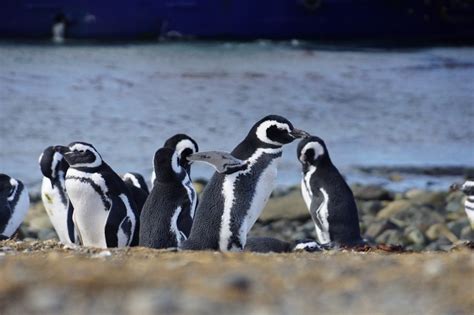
[243, 19]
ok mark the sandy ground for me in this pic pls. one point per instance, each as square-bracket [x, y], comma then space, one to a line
[46, 278]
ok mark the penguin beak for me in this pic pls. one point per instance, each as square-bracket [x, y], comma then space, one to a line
[298, 133]
[61, 149]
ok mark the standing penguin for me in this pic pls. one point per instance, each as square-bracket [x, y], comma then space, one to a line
[184, 146]
[231, 203]
[328, 197]
[14, 204]
[54, 196]
[168, 198]
[162, 223]
[468, 189]
[105, 214]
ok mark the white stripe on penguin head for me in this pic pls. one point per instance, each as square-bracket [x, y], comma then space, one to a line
[79, 146]
[263, 127]
[315, 146]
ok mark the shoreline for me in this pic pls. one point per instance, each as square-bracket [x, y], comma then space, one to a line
[417, 219]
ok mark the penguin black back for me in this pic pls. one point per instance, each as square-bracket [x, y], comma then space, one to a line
[327, 195]
[168, 198]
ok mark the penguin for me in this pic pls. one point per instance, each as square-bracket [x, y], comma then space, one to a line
[53, 194]
[329, 199]
[162, 223]
[105, 214]
[184, 145]
[468, 189]
[231, 203]
[168, 198]
[14, 204]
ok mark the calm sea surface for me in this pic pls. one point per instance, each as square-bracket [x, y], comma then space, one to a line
[372, 106]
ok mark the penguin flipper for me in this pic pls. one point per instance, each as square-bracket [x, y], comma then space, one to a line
[71, 228]
[117, 214]
[223, 162]
[316, 210]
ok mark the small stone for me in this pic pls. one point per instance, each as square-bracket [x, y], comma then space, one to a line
[393, 208]
[467, 233]
[432, 199]
[377, 227]
[371, 193]
[289, 207]
[414, 235]
[457, 226]
[393, 237]
[414, 193]
[439, 230]
[454, 206]
[369, 207]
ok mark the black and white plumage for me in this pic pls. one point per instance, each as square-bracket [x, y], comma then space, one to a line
[138, 188]
[184, 146]
[105, 214]
[54, 196]
[14, 204]
[328, 197]
[231, 203]
[160, 227]
[468, 189]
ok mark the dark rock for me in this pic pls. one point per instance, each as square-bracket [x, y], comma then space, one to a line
[394, 237]
[457, 226]
[467, 233]
[369, 207]
[421, 217]
[371, 193]
[393, 208]
[414, 236]
[377, 227]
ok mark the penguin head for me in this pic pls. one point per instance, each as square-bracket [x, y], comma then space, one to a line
[52, 162]
[468, 187]
[275, 131]
[184, 146]
[166, 163]
[312, 151]
[8, 187]
[80, 154]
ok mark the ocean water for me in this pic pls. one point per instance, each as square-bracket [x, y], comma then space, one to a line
[372, 106]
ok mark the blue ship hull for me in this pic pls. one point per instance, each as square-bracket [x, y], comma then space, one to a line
[241, 19]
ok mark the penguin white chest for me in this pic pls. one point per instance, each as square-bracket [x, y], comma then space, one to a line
[57, 210]
[263, 190]
[260, 192]
[306, 186]
[90, 214]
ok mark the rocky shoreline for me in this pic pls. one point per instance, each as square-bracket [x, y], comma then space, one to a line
[41, 276]
[417, 220]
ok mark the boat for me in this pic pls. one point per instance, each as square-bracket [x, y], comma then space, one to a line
[238, 19]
